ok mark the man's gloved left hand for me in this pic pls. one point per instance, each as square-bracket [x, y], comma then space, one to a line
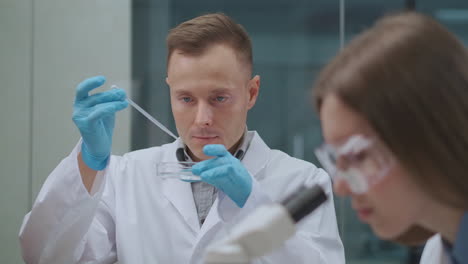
[226, 173]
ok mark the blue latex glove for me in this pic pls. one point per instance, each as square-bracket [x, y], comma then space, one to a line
[226, 173]
[95, 117]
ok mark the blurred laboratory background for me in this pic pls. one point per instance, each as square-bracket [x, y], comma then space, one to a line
[47, 47]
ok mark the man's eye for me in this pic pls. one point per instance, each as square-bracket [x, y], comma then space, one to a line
[220, 98]
[187, 99]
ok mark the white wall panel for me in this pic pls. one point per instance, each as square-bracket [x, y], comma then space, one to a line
[15, 123]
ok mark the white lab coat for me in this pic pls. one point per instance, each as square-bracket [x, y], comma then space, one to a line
[434, 252]
[134, 216]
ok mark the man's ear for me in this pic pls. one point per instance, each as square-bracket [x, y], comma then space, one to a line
[167, 80]
[254, 88]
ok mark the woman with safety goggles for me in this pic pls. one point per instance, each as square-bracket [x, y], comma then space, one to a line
[394, 111]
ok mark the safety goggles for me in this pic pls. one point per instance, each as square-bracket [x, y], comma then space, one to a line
[360, 161]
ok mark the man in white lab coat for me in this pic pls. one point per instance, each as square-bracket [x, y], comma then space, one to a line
[98, 208]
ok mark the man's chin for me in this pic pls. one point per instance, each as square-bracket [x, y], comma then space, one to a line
[196, 152]
[195, 147]
[199, 156]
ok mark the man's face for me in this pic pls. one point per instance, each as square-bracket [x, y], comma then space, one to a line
[210, 97]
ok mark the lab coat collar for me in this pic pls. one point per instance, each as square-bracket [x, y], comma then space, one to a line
[178, 192]
[255, 159]
[257, 156]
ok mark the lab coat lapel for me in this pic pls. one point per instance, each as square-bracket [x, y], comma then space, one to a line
[440, 254]
[434, 252]
[255, 160]
[211, 219]
[208, 233]
[257, 156]
[179, 193]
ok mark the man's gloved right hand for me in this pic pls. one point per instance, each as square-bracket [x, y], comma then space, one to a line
[226, 173]
[94, 115]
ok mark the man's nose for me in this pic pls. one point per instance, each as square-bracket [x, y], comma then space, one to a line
[204, 115]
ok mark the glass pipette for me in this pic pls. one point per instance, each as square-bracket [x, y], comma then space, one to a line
[150, 118]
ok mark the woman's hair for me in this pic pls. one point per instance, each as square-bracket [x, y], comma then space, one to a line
[408, 77]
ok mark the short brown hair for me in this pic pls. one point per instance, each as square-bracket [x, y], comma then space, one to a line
[194, 36]
[408, 77]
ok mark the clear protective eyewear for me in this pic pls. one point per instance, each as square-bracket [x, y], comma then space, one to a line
[360, 161]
